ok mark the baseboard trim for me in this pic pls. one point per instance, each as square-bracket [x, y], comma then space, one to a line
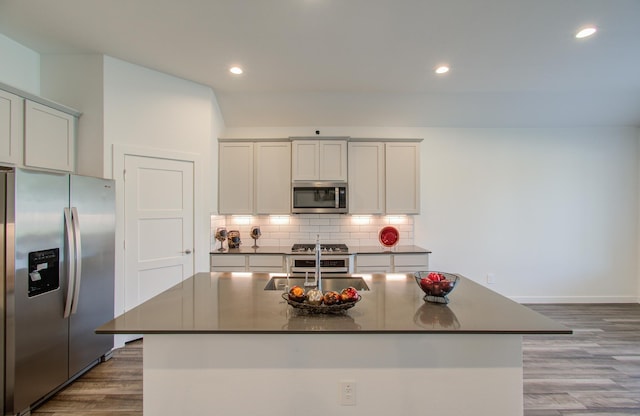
[575, 299]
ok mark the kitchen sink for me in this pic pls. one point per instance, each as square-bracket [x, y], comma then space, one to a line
[336, 283]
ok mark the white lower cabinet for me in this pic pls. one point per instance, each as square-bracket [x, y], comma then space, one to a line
[373, 263]
[258, 263]
[408, 263]
[228, 263]
[266, 263]
[364, 263]
[391, 263]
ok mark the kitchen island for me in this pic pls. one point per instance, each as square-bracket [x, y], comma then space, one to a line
[220, 341]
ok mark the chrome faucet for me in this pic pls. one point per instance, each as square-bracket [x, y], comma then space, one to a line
[318, 274]
[317, 279]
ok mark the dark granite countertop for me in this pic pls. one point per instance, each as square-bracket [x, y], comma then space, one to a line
[238, 303]
[268, 250]
[388, 250]
[286, 250]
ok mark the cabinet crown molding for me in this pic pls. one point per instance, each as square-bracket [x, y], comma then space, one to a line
[385, 140]
[40, 100]
[319, 138]
[258, 140]
[292, 138]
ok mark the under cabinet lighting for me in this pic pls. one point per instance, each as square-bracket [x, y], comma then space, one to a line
[361, 219]
[586, 32]
[395, 277]
[279, 219]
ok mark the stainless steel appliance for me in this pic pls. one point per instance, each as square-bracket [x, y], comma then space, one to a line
[58, 238]
[319, 198]
[335, 259]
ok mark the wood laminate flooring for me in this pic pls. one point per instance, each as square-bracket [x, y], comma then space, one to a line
[595, 371]
[112, 388]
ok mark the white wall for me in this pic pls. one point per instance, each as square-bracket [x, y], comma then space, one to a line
[149, 109]
[127, 105]
[20, 66]
[77, 81]
[552, 213]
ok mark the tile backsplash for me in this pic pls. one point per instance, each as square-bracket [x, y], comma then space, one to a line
[286, 230]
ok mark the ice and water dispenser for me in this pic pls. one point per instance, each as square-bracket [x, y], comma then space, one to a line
[44, 271]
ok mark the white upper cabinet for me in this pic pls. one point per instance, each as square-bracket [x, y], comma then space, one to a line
[49, 137]
[366, 178]
[305, 159]
[36, 132]
[235, 178]
[319, 160]
[11, 127]
[273, 177]
[333, 160]
[384, 177]
[254, 177]
[402, 186]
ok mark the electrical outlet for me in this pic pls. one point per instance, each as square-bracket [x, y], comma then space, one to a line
[491, 278]
[348, 392]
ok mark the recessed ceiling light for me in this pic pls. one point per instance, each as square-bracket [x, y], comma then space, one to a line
[236, 70]
[442, 69]
[586, 32]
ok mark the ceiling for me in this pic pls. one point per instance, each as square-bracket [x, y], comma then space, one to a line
[514, 63]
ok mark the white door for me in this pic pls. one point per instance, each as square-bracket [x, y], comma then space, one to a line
[159, 241]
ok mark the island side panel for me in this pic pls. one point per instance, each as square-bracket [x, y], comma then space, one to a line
[282, 374]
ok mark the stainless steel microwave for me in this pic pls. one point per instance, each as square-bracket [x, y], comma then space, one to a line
[319, 198]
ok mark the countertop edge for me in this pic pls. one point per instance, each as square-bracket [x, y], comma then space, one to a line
[356, 250]
[350, 332]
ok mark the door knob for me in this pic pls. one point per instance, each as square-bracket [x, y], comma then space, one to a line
[187, 251]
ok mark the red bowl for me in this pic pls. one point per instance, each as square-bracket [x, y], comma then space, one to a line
[389, 236]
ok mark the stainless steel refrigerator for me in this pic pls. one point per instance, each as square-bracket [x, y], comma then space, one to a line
[58, 239]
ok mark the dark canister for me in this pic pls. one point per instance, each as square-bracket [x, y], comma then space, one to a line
[234, 239]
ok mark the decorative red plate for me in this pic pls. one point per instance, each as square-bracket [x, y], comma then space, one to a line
[389, 236]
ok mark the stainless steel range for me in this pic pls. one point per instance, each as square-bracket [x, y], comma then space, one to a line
[335, 258]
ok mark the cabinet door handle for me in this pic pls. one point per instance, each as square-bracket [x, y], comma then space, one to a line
[187, 251]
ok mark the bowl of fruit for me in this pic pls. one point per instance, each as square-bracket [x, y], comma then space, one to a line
[436, 285]
[315, 301]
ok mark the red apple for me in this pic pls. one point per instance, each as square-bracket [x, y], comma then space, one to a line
[426, 284]
[446, 285]
[437, 289]
[435, 277]
[349, 294]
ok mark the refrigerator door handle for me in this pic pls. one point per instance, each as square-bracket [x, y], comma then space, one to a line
[78, 250]
[71, 271]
